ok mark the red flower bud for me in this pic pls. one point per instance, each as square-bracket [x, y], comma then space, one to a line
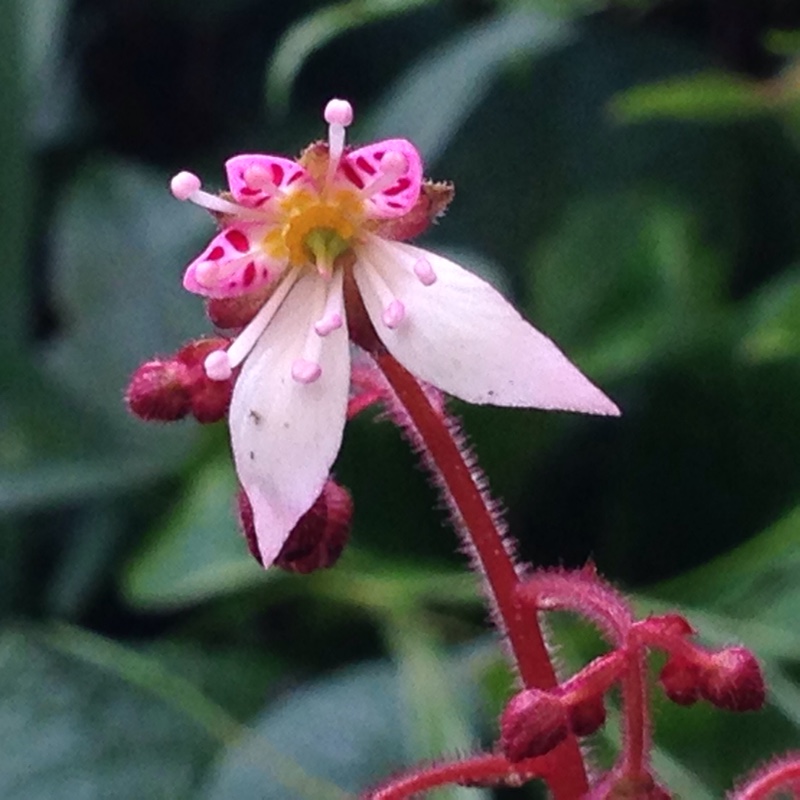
[232, 313]
[670, 625]
[209, 400]
[681, 680]
[588, 716]
[158, 391]
[732, 679]
[319, 537]
[533, 723]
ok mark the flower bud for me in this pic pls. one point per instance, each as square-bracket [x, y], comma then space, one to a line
[533, 723]
[680, 679]
[209, 400]
[732, 679]
[588, 716]
[245, 511]
[158, 391]
[319, 537]
[233, 313]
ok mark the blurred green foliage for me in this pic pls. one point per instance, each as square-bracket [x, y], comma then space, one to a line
[628, 172]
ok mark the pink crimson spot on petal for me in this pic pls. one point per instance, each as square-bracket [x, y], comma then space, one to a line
[249, 274]
[216, 253]
[238, 240]
[294, 178]
[365, 165]
[352, 175]
[397, 188]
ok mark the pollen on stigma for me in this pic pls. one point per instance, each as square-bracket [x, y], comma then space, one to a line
[289, 218]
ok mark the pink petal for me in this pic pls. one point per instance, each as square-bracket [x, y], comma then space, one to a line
[232, 264]
[362, 167]
[286, 434]
[462, 336]
[254, 179]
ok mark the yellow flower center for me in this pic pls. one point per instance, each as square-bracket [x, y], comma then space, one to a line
[314, 230]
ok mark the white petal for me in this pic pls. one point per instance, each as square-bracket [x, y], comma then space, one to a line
[462, 336]
[286, 434]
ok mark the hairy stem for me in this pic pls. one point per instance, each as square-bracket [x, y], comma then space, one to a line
[564, 766]
[488, 770]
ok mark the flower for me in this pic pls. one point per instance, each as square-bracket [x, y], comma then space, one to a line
[302, 236]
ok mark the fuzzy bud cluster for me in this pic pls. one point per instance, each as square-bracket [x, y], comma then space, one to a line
[536, 720]
[168, 389]
[319, 537]
[730, 678]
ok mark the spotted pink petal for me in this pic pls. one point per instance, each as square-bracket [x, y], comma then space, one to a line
[254, 179]
[363, 167]
[459, 334]
[286, 433]
[232, 264]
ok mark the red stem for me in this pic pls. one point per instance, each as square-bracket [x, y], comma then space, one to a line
[635, 710]
[489, 770]
[784, 773]
[566, 774]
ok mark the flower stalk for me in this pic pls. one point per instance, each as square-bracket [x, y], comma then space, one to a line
[432, 432]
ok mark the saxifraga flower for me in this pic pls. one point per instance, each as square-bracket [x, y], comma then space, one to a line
[303, 236]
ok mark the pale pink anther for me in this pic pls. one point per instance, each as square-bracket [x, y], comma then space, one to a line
[394, 314]
[338, 115]
[394, 162]
[305, 371]
[184, 185]
[338, 112]
[218, 366]
[258, 177]
[328, 324]
[206, 273]
[393, 165]
[424, 271]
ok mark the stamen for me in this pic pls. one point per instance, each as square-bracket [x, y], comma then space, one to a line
[338, 115]
[424, 271]
[393, 165]
[393, 314]
[218, 365]
[305, 371]
[186, 186]
[331, 319]
[247, 339]
[394, 310]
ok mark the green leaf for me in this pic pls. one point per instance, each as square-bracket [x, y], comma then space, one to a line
[344, 730]
[440, 716]
[760, 575]
[71, 729]
[772, 320]
[455, 78]
[198, 553]
[651, 286]
[313, 32]
[120, 240]
[703, 97]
